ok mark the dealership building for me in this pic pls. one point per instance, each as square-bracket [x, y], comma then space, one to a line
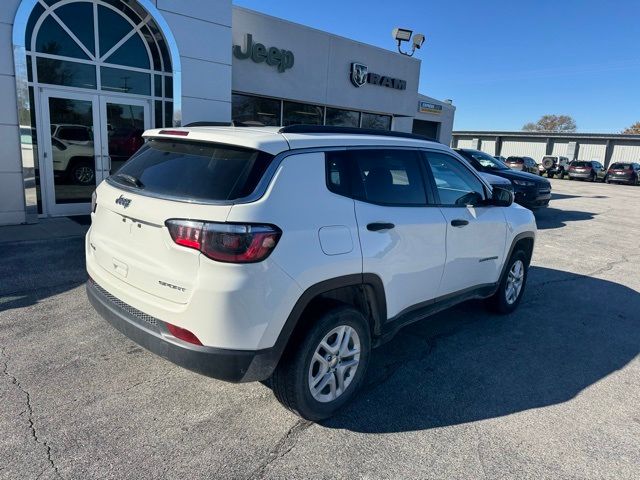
[82, 79]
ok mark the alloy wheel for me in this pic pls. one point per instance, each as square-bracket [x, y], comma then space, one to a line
[84, 174]
[334, 364]
[515, 280]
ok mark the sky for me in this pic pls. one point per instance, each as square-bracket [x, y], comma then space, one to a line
[503, 63]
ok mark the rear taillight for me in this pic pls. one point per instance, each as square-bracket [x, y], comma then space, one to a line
[226, 242]
[94, 201]
[183, 334]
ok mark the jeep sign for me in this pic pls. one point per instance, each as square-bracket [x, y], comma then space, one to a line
[276, 57]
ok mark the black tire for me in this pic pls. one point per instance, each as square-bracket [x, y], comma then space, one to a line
[498, 302]
[290, 381]
[83, 173]
[549, 175]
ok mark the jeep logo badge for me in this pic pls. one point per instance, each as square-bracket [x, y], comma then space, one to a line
[121, 200]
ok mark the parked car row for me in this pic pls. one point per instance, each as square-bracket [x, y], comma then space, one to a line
[562, 167]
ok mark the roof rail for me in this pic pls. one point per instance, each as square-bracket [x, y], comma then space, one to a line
[234, 123]
[351, 131]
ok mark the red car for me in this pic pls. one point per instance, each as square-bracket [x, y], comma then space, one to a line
[628, 173]
[123, 143]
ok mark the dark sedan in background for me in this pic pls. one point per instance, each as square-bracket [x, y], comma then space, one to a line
[531, 191]
[624, 173]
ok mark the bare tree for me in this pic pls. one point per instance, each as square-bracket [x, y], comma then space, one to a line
[552, 123]
[632, 130]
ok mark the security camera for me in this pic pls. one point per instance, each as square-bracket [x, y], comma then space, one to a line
[418, 40]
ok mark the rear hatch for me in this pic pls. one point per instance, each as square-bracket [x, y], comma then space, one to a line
[620, 170]
[580, 167]
[167, 179]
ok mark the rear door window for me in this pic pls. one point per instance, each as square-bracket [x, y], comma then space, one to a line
[193, 170]
[385, 176]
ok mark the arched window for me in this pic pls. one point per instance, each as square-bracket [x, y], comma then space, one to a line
[105, 45]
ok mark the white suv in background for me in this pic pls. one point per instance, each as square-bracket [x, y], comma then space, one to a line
[287, 254]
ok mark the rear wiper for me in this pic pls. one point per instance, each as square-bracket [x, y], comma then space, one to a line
[130, 179]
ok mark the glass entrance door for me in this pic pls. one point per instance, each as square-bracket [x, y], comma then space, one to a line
[71, 159]
[86, 138]
[126, 121]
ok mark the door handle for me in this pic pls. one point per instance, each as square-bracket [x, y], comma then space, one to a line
[376, 227]
[459, 223]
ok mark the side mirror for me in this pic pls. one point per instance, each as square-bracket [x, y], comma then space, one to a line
[501, 197]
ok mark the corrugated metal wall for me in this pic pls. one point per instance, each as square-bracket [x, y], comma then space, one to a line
[519, 147]
[465, 143]
[623, 149]
[560, 148]
[625, 153]
[488, 146]
[592, 151]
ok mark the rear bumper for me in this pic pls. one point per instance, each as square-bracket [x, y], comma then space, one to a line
[152, 334]
[584, 175]
[620, 179]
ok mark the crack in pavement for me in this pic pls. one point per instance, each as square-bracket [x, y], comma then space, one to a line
[29, 411]
[282, 447]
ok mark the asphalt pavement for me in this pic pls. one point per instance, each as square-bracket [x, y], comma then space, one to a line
[551, 391]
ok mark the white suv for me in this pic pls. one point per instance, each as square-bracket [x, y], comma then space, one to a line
[287, 254]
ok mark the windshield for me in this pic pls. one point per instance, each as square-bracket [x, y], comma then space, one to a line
[581, 164]
[487, 161]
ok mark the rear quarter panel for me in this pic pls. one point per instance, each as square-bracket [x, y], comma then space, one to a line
[299, 202]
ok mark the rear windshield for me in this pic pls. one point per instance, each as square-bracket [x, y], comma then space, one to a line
[621, 166]
[194, 170]
[515, 160]
[581, 164]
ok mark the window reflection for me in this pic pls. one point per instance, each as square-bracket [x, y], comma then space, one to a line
[125, 81]
[255, 110]
[125, 128]
[63, 72]
[53, 40]
[132, 53]
[342, 118]
[302, 114]
[112, 28]
[375, 121]
[78, 17]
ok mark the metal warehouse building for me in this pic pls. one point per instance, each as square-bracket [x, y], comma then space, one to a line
[604, 148]
[81, 80]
